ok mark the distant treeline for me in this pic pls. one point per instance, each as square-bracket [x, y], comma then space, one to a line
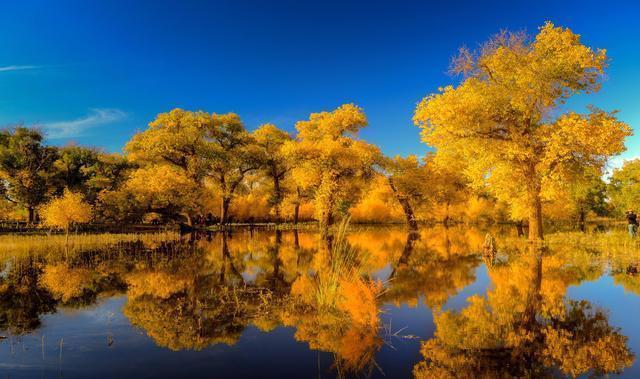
[503, 151]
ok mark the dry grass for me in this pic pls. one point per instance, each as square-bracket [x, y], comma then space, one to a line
[15, 246]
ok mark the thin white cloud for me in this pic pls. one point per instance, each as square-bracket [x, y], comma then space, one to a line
[16, 68]
[78, 127]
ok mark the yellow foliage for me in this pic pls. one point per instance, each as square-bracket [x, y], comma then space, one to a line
[496, 123]
[359, 299]
[377, 205]
[159, 284]
[65, 211]
[66, 283]
[252, 205]
[330, 161]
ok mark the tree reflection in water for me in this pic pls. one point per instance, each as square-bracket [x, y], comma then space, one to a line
[205, 290]
[525, 326]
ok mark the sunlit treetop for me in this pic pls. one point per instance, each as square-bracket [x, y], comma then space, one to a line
[330, 160]
[502, 121]
[322, 126]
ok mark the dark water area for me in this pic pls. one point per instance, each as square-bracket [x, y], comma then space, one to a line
[221, 306]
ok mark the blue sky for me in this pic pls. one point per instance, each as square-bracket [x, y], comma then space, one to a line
[96, 72]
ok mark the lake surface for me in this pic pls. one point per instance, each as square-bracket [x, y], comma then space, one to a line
[225, 307]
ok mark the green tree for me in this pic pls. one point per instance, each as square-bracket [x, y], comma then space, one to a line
[26, 168]
[624, 187]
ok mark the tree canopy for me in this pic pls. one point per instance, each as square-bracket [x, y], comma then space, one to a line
[502, 120]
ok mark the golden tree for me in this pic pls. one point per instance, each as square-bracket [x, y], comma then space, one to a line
[175, 138]
[270, 140]
[200, 146]
[502, 122]
[232, 154]
[331, 160]
[408, 179]
[66, 211]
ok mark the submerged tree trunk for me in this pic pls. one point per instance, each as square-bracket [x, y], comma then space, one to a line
[296, 240]
[533, 296]
[296, 213]
[406, 207]
[224, 210]
[403, 261]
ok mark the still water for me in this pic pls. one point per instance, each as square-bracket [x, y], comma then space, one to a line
[228, 307]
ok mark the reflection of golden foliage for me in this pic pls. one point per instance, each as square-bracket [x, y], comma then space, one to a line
[602, 349]
[159, 284]
[354, 346]
[304, 288]
[525, 326]
[359, 299]
[176, 324]
[67, 283]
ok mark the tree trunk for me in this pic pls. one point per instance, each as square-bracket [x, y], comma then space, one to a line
[403, 261]
[532, 298]
[406, 207]
[535, 219]
[520, 228]
[32, 215]
[277, 198]
[224, 210]
[296, 240]
[325, 201]
[296, 213]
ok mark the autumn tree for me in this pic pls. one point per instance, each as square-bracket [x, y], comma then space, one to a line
[447, 188]
[231, 153]
[200, 147]
[502, 120]
[173, 160]
[408, 179]
[26, 168]
[331, 160]
[66, 211]
[624, 186]
[274, 164]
